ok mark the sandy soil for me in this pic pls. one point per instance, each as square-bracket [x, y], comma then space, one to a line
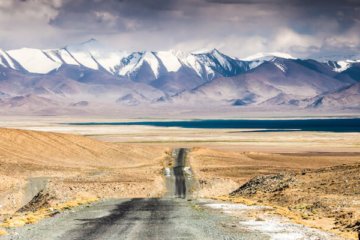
[222, 160]
[321, 188]
[74, 166]
[235, 167]
[326, 197]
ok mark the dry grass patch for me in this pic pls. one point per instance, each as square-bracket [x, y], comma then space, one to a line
[21, 219]
[3, 232]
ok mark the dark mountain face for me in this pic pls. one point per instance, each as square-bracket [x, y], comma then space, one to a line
[321, 68]
[175, 82]
[85, 75]
[352, 73]
[347, 97]
[279, 82]
[222, 65]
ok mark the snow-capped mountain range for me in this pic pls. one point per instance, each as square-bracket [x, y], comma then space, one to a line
[81, 75]
[92, 55]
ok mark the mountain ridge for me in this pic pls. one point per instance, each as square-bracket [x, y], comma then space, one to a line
[91, 73]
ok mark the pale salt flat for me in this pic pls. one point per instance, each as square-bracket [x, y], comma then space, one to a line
[276, 227]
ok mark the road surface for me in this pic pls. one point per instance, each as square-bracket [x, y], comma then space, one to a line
[172, 217]
[180, 180]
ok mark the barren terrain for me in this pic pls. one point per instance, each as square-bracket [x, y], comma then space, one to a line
[70, 166]
[320, 186]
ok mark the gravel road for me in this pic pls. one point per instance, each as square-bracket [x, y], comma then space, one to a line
[136, 219]
[173, 217]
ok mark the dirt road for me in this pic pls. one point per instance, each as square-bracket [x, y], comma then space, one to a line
[180, 183]
[172, 217]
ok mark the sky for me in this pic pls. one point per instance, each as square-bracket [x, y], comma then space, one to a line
[303, 28]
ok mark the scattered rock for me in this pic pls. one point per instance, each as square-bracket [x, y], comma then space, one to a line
[41, 200]
[267, 184]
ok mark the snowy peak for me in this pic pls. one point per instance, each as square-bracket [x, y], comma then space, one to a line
[91, 54]
[147, 66]
[343, 65]
[133, 64]
[170, 60]
[7, 62]
[62, 56]
[94, 55]
[83, 56]
[259, 58]
[151, 59]
[216, 62]
[268, 56]
[214, 58]
[89, 72]
[34, 60]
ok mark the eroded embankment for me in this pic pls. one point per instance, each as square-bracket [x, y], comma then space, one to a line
[328, 195]
[309, 188]
[50, 169]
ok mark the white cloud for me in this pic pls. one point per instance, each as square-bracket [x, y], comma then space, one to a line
[237, 29]
[106, 17]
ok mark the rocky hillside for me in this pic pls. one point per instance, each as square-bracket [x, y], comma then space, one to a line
[329, 193]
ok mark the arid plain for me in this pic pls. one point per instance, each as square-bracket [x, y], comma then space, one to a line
[314, 176]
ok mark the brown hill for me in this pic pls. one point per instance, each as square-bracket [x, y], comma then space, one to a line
[70, 165]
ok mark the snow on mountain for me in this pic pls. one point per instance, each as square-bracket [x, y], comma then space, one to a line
[339, 62]
[280, 66]
[139, 64]
[276, 82]
[34, 60]
[110, 61]
[6, 61]
[192, 62]
[210, 64]
[94, 55]
[91, 54]
[151, 59]
[61, 56]
[343, 65]
[129, 63]
[83, 57]
[106, 57]
[259, 58]
[221, 59]
[268, 56]
[213, 56]
[90, 71]
[169, 60]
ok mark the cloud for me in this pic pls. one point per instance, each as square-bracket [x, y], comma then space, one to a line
[238, 27]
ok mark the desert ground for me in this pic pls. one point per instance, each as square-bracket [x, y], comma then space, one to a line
[311, 177]
[72, 166]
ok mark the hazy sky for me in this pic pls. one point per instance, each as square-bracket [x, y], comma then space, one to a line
[236, 27]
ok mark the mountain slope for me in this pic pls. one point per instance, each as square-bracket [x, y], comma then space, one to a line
[93, 74]
[278, 77]
[34, 60]
[351, 73]
[348, 97]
